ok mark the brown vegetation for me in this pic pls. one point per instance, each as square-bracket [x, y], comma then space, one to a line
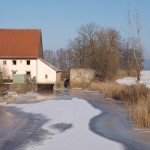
[79, 85]
[22, 88]
[140, 113]
[136, 99]
[3, 76]
[109, 89]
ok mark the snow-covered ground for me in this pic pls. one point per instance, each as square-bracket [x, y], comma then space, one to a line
[68, 125]
[145, 79]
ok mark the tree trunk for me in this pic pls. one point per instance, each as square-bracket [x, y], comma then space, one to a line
[138, 75]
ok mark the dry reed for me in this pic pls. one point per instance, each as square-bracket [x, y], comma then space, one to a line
[136, 98]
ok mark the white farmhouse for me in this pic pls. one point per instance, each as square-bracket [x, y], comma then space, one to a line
[21, 52]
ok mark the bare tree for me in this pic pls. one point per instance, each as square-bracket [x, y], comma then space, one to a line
[83, 47]
[77, 47]
[136, 48]
[107, 52]
[127, 57]
[50, 56]
[61, 58]
[69, 58]
[88, 33]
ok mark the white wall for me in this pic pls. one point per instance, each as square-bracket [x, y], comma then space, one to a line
[21, 66]
[43, 70]
[37, 69]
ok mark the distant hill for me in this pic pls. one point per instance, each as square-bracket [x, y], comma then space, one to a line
[147, 64]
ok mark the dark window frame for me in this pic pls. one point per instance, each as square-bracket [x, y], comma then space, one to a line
[28, 62]
[14, 62]
[28, 73]
[46, 76]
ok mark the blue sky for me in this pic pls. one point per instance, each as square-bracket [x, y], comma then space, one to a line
[59, 20]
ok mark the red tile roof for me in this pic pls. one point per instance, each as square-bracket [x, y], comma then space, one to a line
[21, 43]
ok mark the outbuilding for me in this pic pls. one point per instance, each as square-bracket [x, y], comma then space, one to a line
[80, 77]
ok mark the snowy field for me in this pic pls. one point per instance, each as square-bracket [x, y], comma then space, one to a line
[145, 79]
[68, 126]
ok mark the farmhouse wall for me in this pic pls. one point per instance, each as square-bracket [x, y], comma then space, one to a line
[20, 67]
[45, 74]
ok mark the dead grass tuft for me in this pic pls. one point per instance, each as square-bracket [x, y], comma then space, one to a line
[131, 73]
[79, 84]
[134, 93]
[109, 89]
[136, 98]
[140, 113]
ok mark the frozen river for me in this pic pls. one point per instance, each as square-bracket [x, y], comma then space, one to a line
[71, 120]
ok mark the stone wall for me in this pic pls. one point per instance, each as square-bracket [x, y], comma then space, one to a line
[81, 76]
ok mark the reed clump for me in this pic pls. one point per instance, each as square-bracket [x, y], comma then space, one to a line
[136, 99]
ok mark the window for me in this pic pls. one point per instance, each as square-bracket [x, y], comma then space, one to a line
[28, 73]
[46, 76]
[4, 62]
[14, 62]
[28, 62]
